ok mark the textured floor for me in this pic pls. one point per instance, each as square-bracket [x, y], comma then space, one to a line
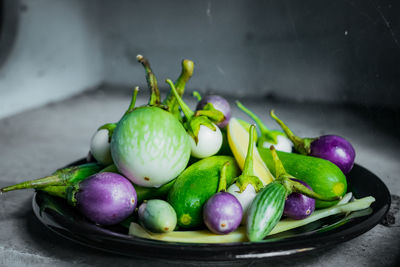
[35, 143]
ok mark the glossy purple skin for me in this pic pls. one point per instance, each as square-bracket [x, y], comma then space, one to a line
[336, 149]
[220, 104]
[222, 213]
[106, 198]
[299, 206]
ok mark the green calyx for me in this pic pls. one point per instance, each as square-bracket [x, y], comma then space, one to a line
[193, 122]
[290, 185]
[247, 177]
[210, 112]
[301, 145]
[67, 192]
[266, 135]
[222, 178]
[171, 102]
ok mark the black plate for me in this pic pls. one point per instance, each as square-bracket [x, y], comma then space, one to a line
[64, 220]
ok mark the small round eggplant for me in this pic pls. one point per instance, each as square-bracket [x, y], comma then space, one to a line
[219, 103]
[222, 213]
[299, 206]
[245, 198]
[100, 147]
[208, 142]
[335, 149]
[106, 198]
[157, 216]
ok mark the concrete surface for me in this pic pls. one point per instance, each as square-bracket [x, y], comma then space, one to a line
[36, 142]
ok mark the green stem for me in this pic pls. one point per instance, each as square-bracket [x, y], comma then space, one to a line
[186, 74]
[257, 120]
[63, 176]
[48, 180]
[248, 168]
[302, 145]
[300, 188]
[222, 177]
[180, 83]
[279, 169]
[151, 81]
[247, 177]
[197, 95]
[185, 108]
[133, 100]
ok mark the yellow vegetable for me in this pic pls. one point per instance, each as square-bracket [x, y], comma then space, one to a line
[238, 139]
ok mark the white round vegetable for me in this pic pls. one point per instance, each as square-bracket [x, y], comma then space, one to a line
[100, 147]
[209, 142]
[284, 144]
[245, 198]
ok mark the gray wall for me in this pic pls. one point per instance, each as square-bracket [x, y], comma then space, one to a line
[329, 51]
[334, 51]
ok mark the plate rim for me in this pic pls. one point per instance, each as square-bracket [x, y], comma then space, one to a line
[239, 250]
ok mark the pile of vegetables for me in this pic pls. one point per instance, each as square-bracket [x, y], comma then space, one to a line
[203, 176]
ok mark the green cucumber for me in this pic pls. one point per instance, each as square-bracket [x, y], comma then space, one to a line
[324, 177]
[265, 211]
[195, 185]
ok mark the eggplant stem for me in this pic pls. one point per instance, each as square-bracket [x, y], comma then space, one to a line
[264, 130]
[186, 74]
[300, 188]
[180, 83]
[249, 113]
[279, 169]
[151, 81]
[133, 100]
[41, 182]
[302, 145]
[185, 108]
[248, 168]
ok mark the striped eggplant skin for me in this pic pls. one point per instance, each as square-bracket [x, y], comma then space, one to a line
[265, 211]
[150, 146]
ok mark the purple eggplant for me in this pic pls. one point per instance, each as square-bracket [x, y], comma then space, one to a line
[218, 103]
[222, 213]
[105, 198]
[299, 206]
[334, 148]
